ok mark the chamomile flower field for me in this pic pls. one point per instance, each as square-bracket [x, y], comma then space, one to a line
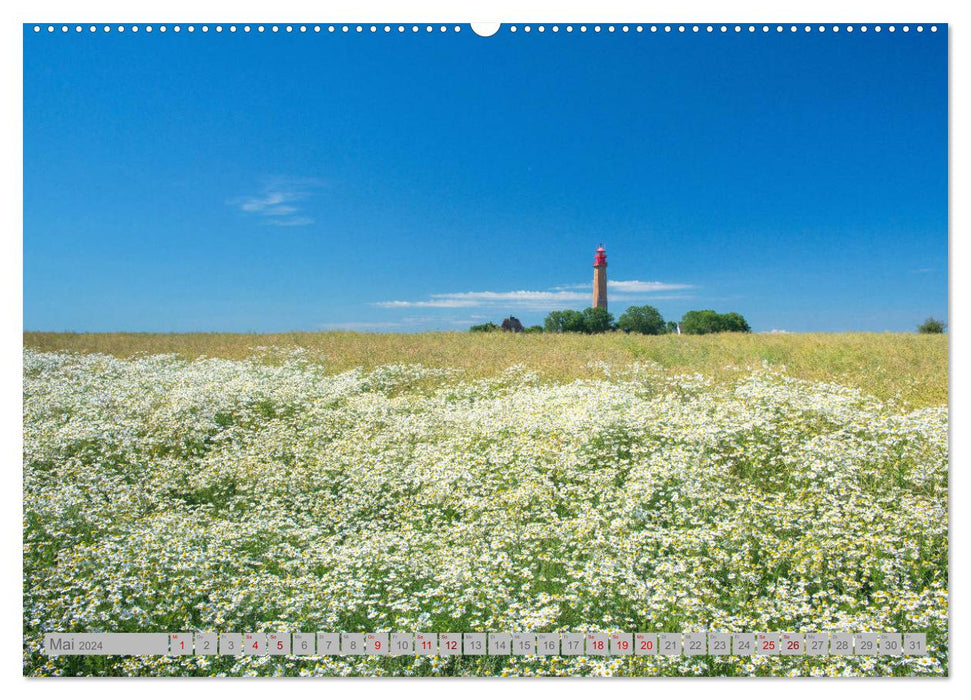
[282, 491]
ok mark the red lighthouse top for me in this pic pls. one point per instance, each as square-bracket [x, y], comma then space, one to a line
[600, 259]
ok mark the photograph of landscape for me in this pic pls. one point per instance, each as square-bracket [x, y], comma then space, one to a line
[534, 329]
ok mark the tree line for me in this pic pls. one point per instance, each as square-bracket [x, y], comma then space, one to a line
[636, 319]
[646, 320]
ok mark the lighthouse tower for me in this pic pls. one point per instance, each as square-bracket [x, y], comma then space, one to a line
[600, 279]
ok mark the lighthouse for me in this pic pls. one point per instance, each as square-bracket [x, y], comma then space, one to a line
[600, 279]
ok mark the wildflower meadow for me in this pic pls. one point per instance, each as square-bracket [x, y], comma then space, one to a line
[274, 493]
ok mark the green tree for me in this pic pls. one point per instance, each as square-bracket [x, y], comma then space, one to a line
[597, 320]
[567, 321]
[641, 319]
[533, 329]
[671, 327]
[932, 325]
[735, 323]
[708, 321]
[700, 322]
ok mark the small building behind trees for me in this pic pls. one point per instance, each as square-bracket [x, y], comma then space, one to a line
[512, 324]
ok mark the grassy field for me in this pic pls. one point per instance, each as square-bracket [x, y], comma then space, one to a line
[909, 366]
[455, 482]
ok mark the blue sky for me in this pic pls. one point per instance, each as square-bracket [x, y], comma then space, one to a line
[401, 182]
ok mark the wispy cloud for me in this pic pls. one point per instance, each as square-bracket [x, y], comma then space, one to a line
[405, 324]
[631, 286]
[640, 286]
[361, 326]
[277, 202]
[519, 299]
[434, 304]
[923, 270]
[539, 300]
[290, 221]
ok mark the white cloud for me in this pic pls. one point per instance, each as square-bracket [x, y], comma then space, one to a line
[520, 299]
[275, 205]
[537, 300]
[434, 304]
[631, 286]
[518, 295]
[653, 297]
[640, 286]
[361, 326]
[405, 324]
[290, 221]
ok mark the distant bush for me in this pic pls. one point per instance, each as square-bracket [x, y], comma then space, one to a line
[484, 328]
[708, 321]
[932, 325]
[671, 327]
[701, 322]
[597, 320]
[533, 329]
[592, 320]
[568, 321]
[733, 322]
[641, 319]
